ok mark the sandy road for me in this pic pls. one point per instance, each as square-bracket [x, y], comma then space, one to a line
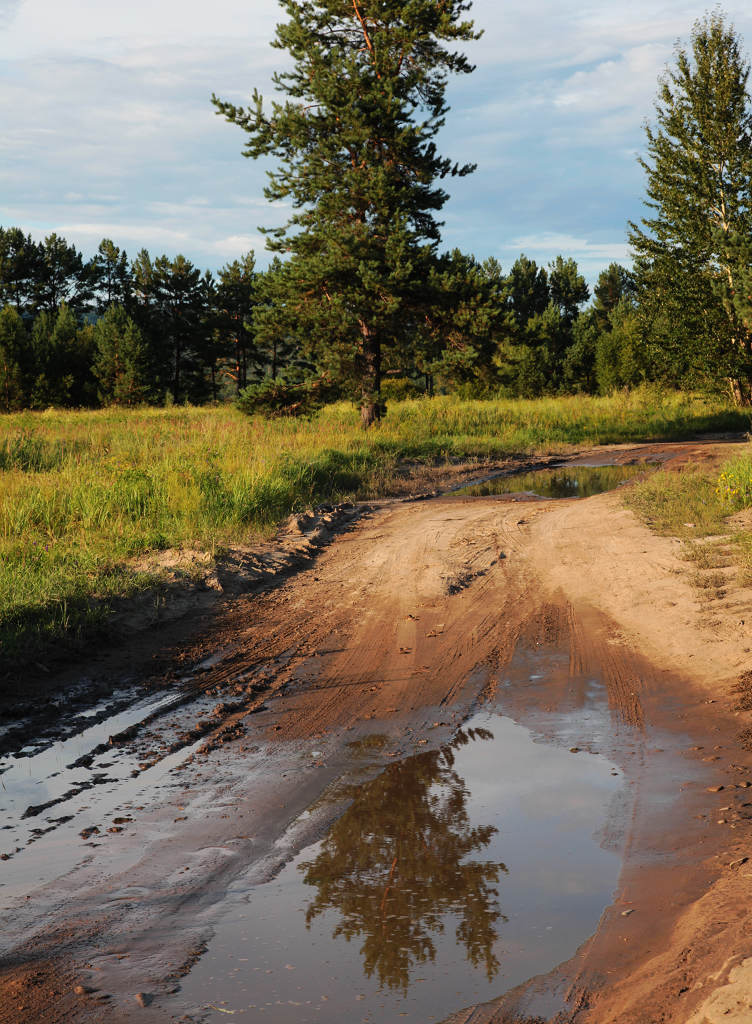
[406, 619]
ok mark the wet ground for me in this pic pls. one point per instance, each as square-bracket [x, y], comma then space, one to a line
[452, 876]
[403, 785]
[576, 481]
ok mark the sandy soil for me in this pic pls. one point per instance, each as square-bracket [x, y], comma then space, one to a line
[407, 617]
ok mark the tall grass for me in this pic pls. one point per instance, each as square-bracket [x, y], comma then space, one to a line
[82, 493]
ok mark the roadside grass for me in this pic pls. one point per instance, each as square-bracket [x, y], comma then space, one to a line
[83, 494]
[685, 505]
[701, 509]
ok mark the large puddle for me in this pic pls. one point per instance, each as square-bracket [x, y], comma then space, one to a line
[453, 876]
[572, 481]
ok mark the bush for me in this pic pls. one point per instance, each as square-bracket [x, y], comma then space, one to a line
[281, 397]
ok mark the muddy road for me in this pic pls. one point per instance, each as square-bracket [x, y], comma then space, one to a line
[466, 759]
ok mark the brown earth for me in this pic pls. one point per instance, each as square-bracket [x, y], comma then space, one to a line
[404, 621]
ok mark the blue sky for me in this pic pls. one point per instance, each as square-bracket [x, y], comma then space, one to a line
[108, 130]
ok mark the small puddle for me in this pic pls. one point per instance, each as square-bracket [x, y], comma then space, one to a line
[453, 876]
[573, 481]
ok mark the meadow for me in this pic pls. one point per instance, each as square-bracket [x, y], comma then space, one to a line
[83, 494]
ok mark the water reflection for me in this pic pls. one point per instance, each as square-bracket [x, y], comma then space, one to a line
[563, 482]
[398, 862]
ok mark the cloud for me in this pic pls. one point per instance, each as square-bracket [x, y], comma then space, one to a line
[108, 128]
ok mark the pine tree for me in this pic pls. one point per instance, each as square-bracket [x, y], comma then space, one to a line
[61, 361]
[699, 187]
[14, 347]
[110, 276]
[62, 277]
[529, 291]
[355, 141]
[20, 265]
[614, 283]
[235, 301]
[120, 360]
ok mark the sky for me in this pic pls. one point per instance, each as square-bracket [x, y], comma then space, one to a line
[108, 129]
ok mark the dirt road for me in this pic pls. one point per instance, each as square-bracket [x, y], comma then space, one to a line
[400, 627]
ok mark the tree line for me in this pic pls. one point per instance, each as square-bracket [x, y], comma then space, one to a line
[78, 333]
[359, 300]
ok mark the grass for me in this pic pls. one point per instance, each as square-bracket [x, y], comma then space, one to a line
[82, 494]
[697, 507]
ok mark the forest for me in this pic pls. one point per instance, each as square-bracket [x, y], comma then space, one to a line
[360, 302]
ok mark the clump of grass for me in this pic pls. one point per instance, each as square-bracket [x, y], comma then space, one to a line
[694, 505]
[708, 555]
[83, 493]
[684, 504]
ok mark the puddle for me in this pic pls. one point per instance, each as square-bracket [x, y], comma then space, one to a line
[453, 876]
[574, 481]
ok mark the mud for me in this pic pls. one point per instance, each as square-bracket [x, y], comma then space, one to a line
[375, 647]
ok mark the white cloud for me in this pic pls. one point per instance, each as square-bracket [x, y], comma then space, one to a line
[108, 129]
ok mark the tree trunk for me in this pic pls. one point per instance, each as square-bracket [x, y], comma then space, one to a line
[370, 387]
[741, 391]
[176, 376]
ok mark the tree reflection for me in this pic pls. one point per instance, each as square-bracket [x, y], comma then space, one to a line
[398, 861]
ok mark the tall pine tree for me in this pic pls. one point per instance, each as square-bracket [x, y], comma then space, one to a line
[355, 141]
[699, 187]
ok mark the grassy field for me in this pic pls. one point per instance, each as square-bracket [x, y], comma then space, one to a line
[83, 493]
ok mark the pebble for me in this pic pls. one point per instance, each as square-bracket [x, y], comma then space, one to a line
[574, 750]
[736, 864]
[714, 789]
[143, 998]
[626, 913]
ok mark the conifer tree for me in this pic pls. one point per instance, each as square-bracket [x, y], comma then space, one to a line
[120, 361]
[110, 276]
[699, 188]
[13, 355]
[20, 267]
[614, 283]
[235, 300]
[355, 140]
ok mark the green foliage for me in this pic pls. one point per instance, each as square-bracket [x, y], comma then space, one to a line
[20, 268]
[61, 361]
[110, 277]
[236, 298]
[734, 485]
[699, 186]
[620, 360]
[120, 359]
[283, 396]
[579, 365]
[61, 279]
[13, 359]
[529, 293]
[354, 140]
[614, 283]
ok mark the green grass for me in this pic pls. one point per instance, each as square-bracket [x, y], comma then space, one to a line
[83, 493]
[695, 506]
[685, 505]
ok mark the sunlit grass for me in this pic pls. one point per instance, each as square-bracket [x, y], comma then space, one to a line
[83, 493]
[694, 505]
